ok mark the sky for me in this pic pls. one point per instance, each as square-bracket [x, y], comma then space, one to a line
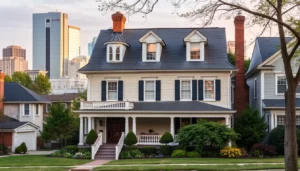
[16, 25]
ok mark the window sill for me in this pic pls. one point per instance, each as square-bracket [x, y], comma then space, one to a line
[152, 61]
[111, 101]
[149, 100]
[26, 115]
[186, 100]
[209, 100]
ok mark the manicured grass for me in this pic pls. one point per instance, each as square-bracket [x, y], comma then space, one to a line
[177, 168]
[36, 169]
[39, 160]
[196, 160]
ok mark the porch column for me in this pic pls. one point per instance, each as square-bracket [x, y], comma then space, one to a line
[93, 123]
[227, 122]
[134, 125]
[172, 130]
[81, 132]
[126, 126]
[272, 122]
[89, 124]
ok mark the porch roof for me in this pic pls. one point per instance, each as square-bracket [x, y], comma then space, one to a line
[277, 103]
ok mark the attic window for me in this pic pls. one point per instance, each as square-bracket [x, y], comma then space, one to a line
[195, 51]
[114, 53]
[151, 51]
[195, 43]
[110, 53]
[118, 53]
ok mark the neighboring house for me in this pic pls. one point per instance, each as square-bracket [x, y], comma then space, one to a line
[267, 82]
[25, 107]
[158, 79]
[65, 99]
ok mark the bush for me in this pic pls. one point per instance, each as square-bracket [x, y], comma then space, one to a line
[18, 150]
[210, 151]
[205, 132]
[130, 139]
[131, 154]
[126, 148]
[192, 154]
[3, 149]
[166, 150]
[166, 138]
[178, 153]
[261, 150]
[148, 150]
[23, 147]
[72, 148]
[254, 132]
[91, 137]
[79, 155]
[231, 152]
[83, 150]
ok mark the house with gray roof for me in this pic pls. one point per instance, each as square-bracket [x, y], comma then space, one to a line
[155, 80]
[267, 82]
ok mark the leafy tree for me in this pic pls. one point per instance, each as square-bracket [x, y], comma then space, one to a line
[231, 59]
[60, 124]
[76, 102]
[22, 78]
[41, 84]
[7, 78]
[130, 139]
[266, 13]
[205, 133]
[251, 127]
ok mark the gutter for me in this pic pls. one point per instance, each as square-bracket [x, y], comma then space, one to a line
[156, 112]
[160, 71]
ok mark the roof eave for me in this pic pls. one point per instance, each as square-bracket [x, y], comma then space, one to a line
[157, 112]
[129, 71]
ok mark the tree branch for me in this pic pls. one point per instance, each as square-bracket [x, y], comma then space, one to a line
[294, 50]
[272, 5]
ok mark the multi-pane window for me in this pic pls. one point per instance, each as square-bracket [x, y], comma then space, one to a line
[282, 85]
[149, 90]
[117, 53]
[112, 90]
[209, 89]
[36, 109]
[26, 109]
[195, 51]
[186, 90]
[110, 53]
[151, 51]
[281, 120]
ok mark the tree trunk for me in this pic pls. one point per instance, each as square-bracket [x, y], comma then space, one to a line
[290, 138]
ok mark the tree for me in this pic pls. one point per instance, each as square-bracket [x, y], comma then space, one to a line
[205, 133]
[22, 78]
[7, 78]
[60, 124]
[76, 102]
[254, 131]
[231, 59]
[266, 13]
[41, 84]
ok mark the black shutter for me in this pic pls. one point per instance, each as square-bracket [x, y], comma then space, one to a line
[177, 90]
[194, 90]
[103, 90]
[141, 90]
[218, 90]
[157, 88]
[200, 89]
[120, 90]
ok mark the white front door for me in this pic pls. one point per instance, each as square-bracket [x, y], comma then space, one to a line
[28, 138]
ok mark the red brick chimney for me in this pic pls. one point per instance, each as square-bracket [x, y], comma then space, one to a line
[2, 75]
[118, 22]
[241, 90]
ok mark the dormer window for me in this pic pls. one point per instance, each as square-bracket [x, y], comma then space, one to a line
[118, 53]
[195, 43]
[115, 48]
[152, 47]
[110, 53]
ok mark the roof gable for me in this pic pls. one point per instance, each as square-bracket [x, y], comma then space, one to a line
[195, 36]
[151, 37]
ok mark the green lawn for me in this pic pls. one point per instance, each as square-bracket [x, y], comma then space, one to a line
[36, 169]
[39, 160]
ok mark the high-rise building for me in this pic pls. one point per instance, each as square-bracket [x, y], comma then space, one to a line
[91, 46]
[51, 43]
[14, 59]
[74, 42]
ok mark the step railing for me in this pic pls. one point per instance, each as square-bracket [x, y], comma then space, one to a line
[120, 145]
[96, 146]
[148, 139]
[106, 105]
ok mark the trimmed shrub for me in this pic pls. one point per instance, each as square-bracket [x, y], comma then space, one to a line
[131, 154]
[166, 150]
[178, 153]
[261, 150]
[3, 149]
[148, 150]
[130, 139]
[72, 148]
[23, 147]
[91, 137]
[192, 154]
[166, 138]
[18, 150]
[231, 152]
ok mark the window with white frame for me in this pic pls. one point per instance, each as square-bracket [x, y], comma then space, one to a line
[255, 89]
[186, 90]
[209, 89]
[114, 53]
[37, 109]
[110, 53]
[64, 105]
[195, 51]
[26, 109]
[282, 85]
[117, 53]
[48, 106]
[281, 120]
[112, 90]
[149, 90]
[151, 52]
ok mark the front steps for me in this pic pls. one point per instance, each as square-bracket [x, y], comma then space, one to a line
[106, 152]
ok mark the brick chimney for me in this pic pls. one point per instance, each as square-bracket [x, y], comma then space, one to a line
[118, 22]
[241, 89]
[2, 75]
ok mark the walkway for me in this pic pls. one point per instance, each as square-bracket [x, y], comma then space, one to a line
[91, 165]
[31, 153]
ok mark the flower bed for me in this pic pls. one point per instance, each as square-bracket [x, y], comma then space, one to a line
[75, 154]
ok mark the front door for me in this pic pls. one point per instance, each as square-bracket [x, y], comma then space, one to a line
[115, 127]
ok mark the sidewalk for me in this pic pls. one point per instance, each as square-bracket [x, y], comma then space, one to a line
[31, 153]
[90, 165]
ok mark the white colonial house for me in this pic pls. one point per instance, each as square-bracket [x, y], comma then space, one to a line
[154, 80]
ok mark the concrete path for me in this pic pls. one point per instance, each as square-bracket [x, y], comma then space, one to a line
[31, 153]
[91, 165]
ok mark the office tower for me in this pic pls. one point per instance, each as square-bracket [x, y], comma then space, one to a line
[91, 46]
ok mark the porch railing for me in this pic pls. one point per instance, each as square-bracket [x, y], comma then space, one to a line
[120, 145]
[96, 146]
[106, 105]
[148, 139]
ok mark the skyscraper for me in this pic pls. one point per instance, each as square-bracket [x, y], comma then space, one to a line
[91, 46]
[74, 42]
[51, 38]
[14, 59]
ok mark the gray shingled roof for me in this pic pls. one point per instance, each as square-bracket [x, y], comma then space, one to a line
[15, 92]
[173, 54]
[69, 97]
[116, 37]
[11, 125]
[277, 103]
[264, 48]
